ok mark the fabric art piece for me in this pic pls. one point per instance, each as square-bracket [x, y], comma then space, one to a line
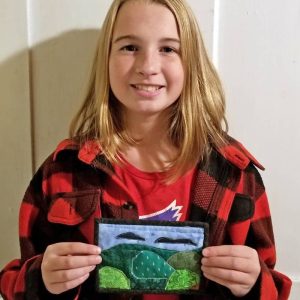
[150, 256]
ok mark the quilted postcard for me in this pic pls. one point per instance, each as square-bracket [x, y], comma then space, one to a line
[150, 256]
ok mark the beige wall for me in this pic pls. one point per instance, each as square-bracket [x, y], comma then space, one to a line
[15, 129]
[45, 53]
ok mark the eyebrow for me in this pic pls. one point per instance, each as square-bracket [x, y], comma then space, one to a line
[134, 37]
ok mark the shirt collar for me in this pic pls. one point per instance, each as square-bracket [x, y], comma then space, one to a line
[87, 153]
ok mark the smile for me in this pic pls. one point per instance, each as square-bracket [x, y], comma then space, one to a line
[147, 88]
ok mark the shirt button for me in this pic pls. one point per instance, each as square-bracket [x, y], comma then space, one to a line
[128, 206]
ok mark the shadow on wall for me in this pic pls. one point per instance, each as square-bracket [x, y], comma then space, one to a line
[60, 71]
[40, 90]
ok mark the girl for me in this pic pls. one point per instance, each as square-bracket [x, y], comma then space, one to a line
[148, 139]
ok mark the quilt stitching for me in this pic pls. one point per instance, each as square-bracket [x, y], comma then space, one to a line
[157, 256]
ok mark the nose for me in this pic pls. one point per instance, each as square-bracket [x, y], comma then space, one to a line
[147, 64]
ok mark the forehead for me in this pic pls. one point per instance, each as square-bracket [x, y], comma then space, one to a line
[142, 17]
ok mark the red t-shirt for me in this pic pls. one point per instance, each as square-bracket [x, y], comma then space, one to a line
[154, 199]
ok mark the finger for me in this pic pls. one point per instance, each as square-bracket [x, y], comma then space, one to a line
[69, 275]
[229, 262]
[225, 275]
[237, 289]
[229, 250]
[218, 280]
[65, 286]
[73, 248]
[72, 262]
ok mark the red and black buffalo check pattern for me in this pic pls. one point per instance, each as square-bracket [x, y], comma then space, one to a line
[66, 195]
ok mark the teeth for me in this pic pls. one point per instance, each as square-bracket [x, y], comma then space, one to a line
[147, 88]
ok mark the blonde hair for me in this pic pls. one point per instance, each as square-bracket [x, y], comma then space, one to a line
[196, 118]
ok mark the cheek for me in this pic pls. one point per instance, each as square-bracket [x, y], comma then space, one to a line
[177, 77]
[176, 72]
[115, 75]
[119, 76]
[120, 65]
[180, 77]
[112, 68]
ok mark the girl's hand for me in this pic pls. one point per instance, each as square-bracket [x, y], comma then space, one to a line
[67, 265]
[236, 267]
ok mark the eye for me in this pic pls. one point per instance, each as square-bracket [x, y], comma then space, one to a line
[129, 48]
[168, 50]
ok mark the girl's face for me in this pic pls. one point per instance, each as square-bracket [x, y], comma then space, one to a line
[145, 68]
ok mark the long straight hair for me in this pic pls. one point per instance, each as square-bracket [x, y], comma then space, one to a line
[196, 120]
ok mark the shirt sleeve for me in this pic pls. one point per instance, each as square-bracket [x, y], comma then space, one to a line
[21, 278]
[257, 232]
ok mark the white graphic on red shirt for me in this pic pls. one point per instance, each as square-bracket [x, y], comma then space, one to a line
[170, 213]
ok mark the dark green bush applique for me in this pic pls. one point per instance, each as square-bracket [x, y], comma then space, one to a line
[189, 260]
[150, 265]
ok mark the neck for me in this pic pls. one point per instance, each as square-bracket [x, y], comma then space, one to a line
[154, 149]
[146, 129]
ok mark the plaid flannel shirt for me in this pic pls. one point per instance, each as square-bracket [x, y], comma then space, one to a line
[66, 195]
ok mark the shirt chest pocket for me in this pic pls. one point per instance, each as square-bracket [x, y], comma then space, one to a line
[242, 208]
[73, 208]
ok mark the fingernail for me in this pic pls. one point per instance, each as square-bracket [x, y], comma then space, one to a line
[98, 250]
[205, 252]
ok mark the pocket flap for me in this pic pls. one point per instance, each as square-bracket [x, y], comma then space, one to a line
[73, 208]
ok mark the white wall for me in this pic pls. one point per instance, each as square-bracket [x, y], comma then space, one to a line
[254, 44]
[15, 145]
[259, 61]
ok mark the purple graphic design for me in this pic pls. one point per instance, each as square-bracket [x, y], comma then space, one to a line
[170, 213]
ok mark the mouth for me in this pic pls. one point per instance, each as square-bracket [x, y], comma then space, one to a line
[147, 88]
